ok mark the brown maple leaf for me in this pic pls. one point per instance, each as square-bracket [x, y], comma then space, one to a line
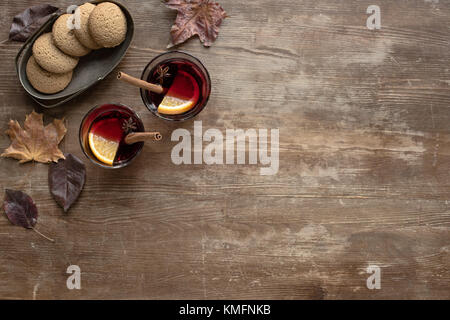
[196, 17]
[35, 142]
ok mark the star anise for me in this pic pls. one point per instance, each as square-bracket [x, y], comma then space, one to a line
[162, 73]
[129, 125]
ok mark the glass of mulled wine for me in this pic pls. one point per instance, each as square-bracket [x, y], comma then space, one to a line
[102, 135]
[186, 85]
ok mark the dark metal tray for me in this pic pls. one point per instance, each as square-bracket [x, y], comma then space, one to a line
[91, 69]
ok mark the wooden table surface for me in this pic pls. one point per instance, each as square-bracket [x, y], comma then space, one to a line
[364, 177]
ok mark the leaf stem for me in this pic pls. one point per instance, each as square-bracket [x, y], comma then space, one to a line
[42, 235]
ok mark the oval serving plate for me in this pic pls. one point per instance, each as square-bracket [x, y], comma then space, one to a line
[90, 69]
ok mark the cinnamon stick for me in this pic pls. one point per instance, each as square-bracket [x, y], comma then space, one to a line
[156, 88]
[142, 137]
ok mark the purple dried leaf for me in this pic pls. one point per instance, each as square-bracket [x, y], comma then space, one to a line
[27, 22]
[20, 209]
[66, 180]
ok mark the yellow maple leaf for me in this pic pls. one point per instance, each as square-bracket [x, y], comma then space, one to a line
[35, 142]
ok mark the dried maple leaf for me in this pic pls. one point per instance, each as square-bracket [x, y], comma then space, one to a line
[35, 142]
[196, 17]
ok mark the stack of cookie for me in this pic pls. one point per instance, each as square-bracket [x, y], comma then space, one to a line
[56, 54]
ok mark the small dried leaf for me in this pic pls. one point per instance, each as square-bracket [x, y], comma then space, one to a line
[20, 209]
[35, 142]
[196, 17]
[27, 22]
[66, 180]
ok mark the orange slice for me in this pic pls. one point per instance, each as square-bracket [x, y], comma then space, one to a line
[104, 150]
[182, 95]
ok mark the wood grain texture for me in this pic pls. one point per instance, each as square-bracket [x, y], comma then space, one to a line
[364, 172]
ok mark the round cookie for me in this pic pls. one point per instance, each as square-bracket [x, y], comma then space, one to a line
[65, 38]
[108, 25]
[44, 81]
[82, 33]
[50, 58]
